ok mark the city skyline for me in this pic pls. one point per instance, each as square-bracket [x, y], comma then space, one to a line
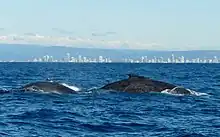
[141, 24]
[103, 59]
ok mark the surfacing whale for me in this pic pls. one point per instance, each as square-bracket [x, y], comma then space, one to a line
[139, 84]
[51, 87]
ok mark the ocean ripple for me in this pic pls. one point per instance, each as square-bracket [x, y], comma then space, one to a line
[96, 112]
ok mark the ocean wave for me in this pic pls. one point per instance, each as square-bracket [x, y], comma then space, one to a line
[105, 113]
[38, 113]
[4, 90]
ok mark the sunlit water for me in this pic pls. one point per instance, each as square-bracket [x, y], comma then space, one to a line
[99, 113]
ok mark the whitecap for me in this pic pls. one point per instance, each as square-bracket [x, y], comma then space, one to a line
[197, 93]
[3, 90]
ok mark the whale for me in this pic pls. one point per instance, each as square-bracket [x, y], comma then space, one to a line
[139, 84]
[50, 87]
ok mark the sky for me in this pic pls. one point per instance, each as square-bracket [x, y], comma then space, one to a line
[135, 24]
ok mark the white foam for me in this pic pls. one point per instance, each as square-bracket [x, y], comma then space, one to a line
[93, 88]
[192, 92]
[3, 89]
[197, 93]
[166, 91]
[71, 87]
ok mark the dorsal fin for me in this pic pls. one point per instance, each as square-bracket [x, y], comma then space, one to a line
[134, 76]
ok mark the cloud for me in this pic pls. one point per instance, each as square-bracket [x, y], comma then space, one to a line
[70, 41]
[30, 34]
[2, 29]
[62, 31]
[104, 34]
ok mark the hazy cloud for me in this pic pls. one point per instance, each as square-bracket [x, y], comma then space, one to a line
[30, 34]
[2, 29]
[31, 38]
[104, 34]
[62, 31]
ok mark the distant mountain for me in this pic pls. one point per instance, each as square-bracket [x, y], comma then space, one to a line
[24, 52]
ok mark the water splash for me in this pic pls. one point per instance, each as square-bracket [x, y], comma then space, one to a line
[191, 92]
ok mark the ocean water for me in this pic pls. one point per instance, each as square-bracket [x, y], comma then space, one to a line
[97, 113]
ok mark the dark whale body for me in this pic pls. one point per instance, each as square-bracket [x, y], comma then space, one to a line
[140, 84]
[48, 86]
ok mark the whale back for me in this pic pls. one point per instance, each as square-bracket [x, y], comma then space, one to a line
[136, 83]
[48, 86]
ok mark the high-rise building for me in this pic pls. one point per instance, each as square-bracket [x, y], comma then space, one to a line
[215, 59]
[100, 59]
[173, 58]
[182, 59]
[68, 58]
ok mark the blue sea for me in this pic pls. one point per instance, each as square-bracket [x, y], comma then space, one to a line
[97, 113]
